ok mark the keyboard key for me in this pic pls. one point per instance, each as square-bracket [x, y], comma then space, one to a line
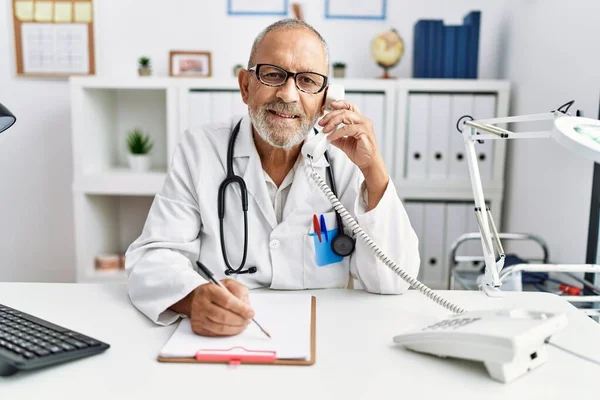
[67, 347]
[40, 352]
[76, 343]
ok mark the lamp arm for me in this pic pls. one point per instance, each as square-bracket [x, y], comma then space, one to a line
[474, 131]
[489, 236]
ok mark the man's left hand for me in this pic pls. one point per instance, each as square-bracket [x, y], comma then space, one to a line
[357, 140]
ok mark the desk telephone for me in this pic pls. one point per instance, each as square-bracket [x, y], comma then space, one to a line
[509, 342]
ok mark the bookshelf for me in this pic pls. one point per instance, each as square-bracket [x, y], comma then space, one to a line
[111, 201]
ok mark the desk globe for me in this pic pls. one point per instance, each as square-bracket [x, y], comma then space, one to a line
[387, 49]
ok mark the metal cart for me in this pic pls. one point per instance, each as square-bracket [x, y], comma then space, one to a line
[464, 271]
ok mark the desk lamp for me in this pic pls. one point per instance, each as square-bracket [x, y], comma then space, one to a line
[580, 135]
[6, 118]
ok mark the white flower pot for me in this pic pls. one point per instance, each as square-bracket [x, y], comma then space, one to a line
[139, 162]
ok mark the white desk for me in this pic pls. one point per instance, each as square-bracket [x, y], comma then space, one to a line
[356, 358]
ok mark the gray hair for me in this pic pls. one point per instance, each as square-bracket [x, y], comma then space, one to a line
[286, 24]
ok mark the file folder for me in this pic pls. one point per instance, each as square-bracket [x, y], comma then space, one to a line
[461, 104]
[484, 107]
[235, 350]
[439, 136]
[418, 136]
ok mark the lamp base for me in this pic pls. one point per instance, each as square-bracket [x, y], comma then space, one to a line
[491, 291]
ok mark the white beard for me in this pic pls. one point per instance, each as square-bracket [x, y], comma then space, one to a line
[279, 136]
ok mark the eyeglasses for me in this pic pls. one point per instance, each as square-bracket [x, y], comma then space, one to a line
[272, 75]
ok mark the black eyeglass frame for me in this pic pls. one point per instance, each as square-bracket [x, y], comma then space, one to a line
[289, 74]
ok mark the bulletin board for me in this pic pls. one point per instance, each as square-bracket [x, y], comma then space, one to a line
[54, 37]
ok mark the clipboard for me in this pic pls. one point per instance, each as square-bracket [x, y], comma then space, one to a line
[239, 355]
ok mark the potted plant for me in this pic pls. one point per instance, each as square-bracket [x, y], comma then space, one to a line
[236, 70]
[139, 145]
[144, 67]
[339, 69]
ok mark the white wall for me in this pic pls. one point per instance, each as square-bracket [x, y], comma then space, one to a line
[552, 58]
[36, 235]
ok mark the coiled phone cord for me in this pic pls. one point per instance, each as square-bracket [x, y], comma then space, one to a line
[356, 229]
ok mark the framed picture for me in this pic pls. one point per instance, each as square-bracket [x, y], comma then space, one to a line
[356, 9]
[190, 64]
[253, 7]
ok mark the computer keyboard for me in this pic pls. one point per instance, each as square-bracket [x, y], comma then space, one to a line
[28, 342]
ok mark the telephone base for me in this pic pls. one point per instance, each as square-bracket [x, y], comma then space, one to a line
[508, 372]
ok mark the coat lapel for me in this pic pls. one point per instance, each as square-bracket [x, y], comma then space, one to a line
[303, 188]
[254, 175]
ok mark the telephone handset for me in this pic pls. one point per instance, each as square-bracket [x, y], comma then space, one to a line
[315, 147]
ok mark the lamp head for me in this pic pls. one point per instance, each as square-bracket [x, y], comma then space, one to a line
[580, 135]
[7, 119]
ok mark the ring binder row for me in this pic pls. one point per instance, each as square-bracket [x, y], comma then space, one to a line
[236, 356]
[438, 225]
[436, 150]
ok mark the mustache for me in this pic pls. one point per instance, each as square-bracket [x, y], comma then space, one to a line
[280, 106]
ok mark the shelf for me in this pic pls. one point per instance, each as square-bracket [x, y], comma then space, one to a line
[444, 190]
[121, 181]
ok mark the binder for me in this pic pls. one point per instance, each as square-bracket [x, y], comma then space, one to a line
[357, 99]
[449, 68]
[484, 106]
[456, 225]
[416, 213]
[439, 136]
[473, 19]
[237, 104]
[374, 109]
[418, 127]
[200, 110]
[236, 355]
[436, 49]
[435, 245]
[473, 246]
[221, 106]
[461, 104]
[463, 33]
[420, 49]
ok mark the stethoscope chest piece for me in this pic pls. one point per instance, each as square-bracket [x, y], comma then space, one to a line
[342, 245]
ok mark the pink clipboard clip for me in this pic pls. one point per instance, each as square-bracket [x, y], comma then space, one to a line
[236, 356]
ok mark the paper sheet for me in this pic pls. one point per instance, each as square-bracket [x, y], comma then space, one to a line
[43, 11]
[55, 48]
[63, 12]
[24, 10]
[287, 317]
[83, 11]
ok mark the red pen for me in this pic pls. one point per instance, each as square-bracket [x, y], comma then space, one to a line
[316, 227]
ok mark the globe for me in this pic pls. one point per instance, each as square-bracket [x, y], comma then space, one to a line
[387, 49]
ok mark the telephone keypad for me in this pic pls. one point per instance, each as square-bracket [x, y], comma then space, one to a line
[451, 323]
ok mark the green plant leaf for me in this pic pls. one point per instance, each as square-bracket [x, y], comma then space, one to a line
[139, 142]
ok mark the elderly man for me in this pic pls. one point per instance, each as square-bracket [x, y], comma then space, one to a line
[283, 241]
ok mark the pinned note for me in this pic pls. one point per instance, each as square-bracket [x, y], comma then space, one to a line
[24, 10]
[63, 12]
[83, 11]
[43, 11]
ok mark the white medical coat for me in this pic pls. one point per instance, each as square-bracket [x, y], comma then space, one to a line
[183, 226]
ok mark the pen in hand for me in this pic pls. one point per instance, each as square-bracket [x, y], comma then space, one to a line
[211, 277]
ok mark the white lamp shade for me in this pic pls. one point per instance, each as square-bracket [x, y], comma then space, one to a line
[580, 135]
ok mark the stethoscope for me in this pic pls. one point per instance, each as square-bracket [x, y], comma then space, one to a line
[342, 245]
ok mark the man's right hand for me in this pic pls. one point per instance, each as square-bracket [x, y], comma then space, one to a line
[215, 311]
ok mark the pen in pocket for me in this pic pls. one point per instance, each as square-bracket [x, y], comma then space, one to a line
[316, 227]
[324, 228]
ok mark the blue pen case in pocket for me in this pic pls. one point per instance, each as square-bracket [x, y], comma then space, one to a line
[323, 252]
